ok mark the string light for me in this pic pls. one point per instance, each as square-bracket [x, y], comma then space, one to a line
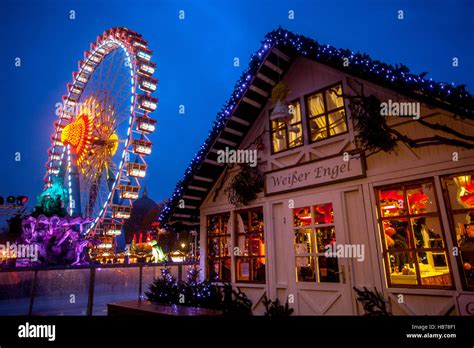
[360, 64]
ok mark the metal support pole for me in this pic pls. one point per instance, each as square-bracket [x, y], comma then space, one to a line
[33, 293]
[140, 284]
[90, 300]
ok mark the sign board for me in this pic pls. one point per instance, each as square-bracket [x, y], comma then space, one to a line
[323, 171]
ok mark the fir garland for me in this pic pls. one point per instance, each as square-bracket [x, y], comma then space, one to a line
[245, 186]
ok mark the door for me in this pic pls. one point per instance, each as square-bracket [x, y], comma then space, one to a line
[319, 255]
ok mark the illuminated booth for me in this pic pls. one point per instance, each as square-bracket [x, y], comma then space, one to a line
[337, 211]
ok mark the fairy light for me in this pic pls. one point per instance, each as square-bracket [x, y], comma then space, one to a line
[359, 65]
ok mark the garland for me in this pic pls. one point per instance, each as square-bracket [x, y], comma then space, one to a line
[245, 186]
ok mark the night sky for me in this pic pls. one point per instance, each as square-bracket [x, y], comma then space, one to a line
[195, 60]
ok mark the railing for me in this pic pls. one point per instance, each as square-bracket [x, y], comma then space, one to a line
[78, 290]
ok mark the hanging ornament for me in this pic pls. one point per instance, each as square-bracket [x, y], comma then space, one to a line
[281, 111]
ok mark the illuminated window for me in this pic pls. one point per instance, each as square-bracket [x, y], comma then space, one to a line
[218, 253]
[288, 134]
[460, 191]
[314, 229]
[250, 264]
[414, 247]
[326, 113]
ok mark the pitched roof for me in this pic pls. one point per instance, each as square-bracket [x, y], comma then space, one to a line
[278, 50]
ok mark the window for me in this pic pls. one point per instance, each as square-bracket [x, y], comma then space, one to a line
[460, 203]
[413, 242]
[314, 229]
[326, 113]
[288, 135]
[218, 256]
[250, 264]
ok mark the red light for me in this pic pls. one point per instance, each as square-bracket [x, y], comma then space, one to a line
[20, 200]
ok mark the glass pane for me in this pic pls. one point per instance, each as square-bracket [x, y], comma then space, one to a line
[337, 123]
[397, 234]
[323, 214]
[15, 292]
[224, 245]
[213, 226]
[213, 250]
[332, 99]
[220, 269]
[256, 222]
[402, 268]
[315, 104]
[214, 270]
[461, 192]
[464, 228]
[421, 199]
[305, 271]
[114, 285]
[54, 288]
[427, 232]
[256, 246]
[301, 216]
[225, 265]
[434, 268]
[217, 224]
[295, 134]
[279, 140]
[242, 222]
[242, 244]
[258, 269]
[278, 125]
[467, 260]
[295, 110]
[303, 243]
[318, 128]
[392, 202]
[243, 269]
[224, 223]
[325, 236]
[328, 269]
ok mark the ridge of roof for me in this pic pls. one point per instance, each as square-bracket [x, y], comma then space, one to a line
[398, 78]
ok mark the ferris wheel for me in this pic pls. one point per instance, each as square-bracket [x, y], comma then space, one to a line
[100, 140]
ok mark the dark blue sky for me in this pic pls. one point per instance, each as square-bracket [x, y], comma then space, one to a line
[195, 62]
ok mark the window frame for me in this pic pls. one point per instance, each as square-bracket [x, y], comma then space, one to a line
[325, 113]
[450, 212]
[236, 236]
[210, 260]
[413, 250]
[273, 152]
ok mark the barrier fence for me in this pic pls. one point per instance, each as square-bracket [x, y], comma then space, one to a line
[81, 290]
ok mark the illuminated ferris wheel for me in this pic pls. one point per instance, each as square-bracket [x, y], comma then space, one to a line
[100, 140]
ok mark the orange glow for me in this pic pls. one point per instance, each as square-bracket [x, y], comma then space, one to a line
[76, 134]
